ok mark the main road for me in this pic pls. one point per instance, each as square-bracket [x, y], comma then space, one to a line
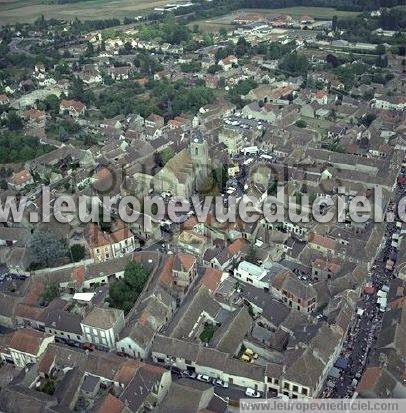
[363, 334]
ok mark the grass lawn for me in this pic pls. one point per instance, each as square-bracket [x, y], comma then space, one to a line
[210, 26]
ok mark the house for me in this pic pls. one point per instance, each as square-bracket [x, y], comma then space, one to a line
[183, 270]
[74, 108]
[305, 372]
[252, 274]
[322, 243]
[204, 360]
[8, 304]
[193, 397]
[390, 103]
[4, 100]
[179, 122]
[325, 269]
[34, 116]
[234, 139]
[377, 382]
[260, 277]
[155, 312]
[20, 180]
[219, 258]
[192, 242]
[190, 321]
[104, 246]
[119, 73]
[321, 97]
[64, 325]
[154, 121]
[101, 326]
[27, 346]
[228, 62]
[211, 279]
[147, 388]
[294, 292]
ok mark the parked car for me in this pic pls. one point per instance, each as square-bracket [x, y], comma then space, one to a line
[88, 346]
[190, 374]
[248, 352]
[221, 383]
[176, 370]
[203, 377]
[252, 393]
[245, 358]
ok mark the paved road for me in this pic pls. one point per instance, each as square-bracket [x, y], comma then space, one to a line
[363, 334]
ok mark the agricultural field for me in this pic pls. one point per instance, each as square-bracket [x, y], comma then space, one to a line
[12, 11]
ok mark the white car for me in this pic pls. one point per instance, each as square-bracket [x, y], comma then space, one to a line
[219, 382]
[203, 377]
[252, 393]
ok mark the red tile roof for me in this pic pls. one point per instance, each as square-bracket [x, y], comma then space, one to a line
[72, 104]
[166, 276]
[111, 405]
[28, 341]
[237, 246]
[21, 177]
[211, 278]
[325, 242]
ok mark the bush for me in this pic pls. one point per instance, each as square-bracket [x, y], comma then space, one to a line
[301, 123]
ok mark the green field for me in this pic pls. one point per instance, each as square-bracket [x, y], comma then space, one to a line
[316, 12]
[12, 11]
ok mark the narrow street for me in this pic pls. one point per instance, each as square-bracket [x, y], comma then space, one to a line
[359, 346]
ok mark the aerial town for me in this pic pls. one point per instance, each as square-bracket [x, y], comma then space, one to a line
[190, 100]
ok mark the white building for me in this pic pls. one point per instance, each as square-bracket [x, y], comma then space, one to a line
[102, 326]
[26, 346]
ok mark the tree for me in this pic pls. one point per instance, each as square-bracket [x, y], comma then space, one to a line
[213, 69]
[294, 64]
[77, 252]
[51, 292]
[47, 249]
[14, 122]
[63, 134]
[242, 47]
[135, 276]
[223, 32]
[301, 123]
[334, 23]
[332, 60]
[368, 119]
[123, 293]
[51, 103]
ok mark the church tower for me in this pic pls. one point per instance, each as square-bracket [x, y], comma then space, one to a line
[199, 154]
